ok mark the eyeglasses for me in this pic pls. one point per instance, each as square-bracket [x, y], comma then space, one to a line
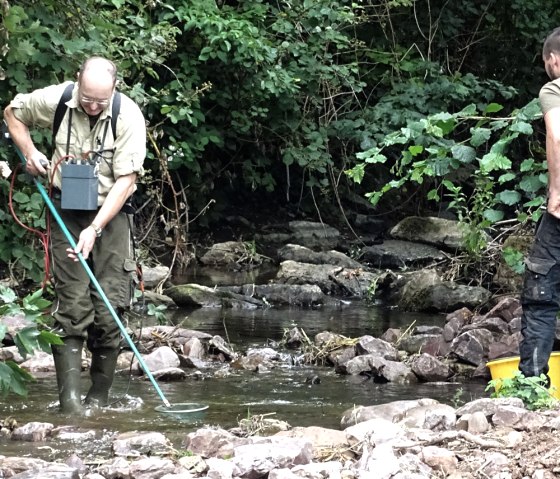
[89, 101]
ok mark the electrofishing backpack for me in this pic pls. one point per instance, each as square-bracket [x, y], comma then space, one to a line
[62, 107]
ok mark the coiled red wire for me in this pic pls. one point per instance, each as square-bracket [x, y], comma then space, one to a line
[43, 236]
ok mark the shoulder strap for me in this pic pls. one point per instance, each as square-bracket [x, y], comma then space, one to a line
[115, 113]
[61, 109]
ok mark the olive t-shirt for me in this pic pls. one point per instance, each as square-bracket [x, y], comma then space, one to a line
[549, 96]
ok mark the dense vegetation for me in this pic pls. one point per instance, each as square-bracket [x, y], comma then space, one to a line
[314, 105]
[309, 104]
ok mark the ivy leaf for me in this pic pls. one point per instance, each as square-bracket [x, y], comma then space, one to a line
[514, 259]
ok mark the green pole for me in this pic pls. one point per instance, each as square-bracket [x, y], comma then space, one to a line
[94, 281]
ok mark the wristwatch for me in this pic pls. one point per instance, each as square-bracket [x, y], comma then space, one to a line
[97, 229]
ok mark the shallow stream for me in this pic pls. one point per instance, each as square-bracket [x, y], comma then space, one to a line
[284, 393]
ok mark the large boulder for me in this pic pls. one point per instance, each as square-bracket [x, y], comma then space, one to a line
[445, 296]
[438, 232]
[398, 254]
[195, 295]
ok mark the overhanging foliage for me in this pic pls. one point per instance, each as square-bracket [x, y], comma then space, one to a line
[283, 97]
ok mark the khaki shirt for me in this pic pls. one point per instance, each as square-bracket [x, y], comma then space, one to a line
[121, 156]
[549, 96]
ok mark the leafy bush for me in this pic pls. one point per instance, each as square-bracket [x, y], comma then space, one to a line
[250, 97]
[29, 339]
[531, 390]
[467, 158]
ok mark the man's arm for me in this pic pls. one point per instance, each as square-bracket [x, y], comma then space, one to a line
[19, 133]
[119, 193]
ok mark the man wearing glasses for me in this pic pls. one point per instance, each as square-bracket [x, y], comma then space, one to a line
[103, 232]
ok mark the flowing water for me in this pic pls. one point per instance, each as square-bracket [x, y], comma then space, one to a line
[284, 393]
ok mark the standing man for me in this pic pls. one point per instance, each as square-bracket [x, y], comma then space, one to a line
[540, 296]
[103, 232]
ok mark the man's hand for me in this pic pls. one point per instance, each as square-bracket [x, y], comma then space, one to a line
[36, 164]
[85, 244]
[553, 205]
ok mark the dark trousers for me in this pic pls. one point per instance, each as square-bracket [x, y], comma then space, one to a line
[540, 298]
[79, 310]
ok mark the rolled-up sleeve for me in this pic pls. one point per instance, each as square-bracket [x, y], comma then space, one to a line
[130, 144]
[36, 109]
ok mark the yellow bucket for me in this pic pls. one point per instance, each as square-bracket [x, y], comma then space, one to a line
[507, 367]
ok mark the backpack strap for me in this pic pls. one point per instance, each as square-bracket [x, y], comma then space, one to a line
[115, 113]
[61, 110]
[62, 107]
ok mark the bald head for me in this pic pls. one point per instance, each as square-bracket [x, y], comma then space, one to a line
[96, 82]
[98, 67]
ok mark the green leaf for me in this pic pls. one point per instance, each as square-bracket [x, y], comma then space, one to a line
[463, 153]
[526, 165]
[7, 295]
[494, 161]
[538, 202]
[13, 378]
[469, 110]
[26, 340]
[532, 111]
[531, 184]
[522, 127]
[506, 177]
[415, 149]
[356, 173]
[493, 108]
[480, 136]
[433, 195]
[508, 197]
[493, 215]
[373, 155]
[20, 197]
[514, 259]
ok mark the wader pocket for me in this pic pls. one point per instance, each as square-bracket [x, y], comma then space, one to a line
[536, 285]
[130, 270]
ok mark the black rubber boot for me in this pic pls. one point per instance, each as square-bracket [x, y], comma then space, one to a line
[68, 365]
[102, 372]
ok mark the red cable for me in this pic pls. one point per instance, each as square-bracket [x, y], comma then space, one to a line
[44, 237]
